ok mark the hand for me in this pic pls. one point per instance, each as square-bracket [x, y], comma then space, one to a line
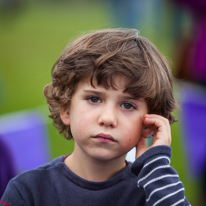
[157, 125]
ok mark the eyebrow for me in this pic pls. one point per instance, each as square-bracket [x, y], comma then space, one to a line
[94, 92]
[125, 95]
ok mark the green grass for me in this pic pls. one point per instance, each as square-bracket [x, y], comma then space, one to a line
[30, 42]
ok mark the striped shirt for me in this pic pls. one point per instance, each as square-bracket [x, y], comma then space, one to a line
[150, 180]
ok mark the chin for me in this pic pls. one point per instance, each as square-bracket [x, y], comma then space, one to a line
[106, 156]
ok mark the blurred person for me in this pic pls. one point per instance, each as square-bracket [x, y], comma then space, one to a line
[137, 13]
[110, 90]
[127, 13]
[7, 169]
[192, 59]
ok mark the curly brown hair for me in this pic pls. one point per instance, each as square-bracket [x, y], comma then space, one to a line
[102, 55]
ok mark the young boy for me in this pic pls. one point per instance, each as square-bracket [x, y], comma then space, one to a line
[110, 90]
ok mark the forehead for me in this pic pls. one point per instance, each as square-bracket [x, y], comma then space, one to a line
[118, 82]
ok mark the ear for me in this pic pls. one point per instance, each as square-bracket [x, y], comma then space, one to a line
[147, 132]
[65, 117]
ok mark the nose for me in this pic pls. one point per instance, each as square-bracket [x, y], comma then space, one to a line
[108, 116]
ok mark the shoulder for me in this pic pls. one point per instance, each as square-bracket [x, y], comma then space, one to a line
[38, 174]
[28, 187]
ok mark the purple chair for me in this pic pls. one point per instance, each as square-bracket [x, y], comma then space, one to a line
[193, 119]
[25, 135]
[7, 170]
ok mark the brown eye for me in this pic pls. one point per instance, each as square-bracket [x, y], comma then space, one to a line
[94, 99]
[127, 106]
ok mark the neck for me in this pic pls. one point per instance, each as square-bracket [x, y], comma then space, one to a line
[93, 169]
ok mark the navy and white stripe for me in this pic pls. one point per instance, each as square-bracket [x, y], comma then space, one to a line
[162, 188]
[158, 179]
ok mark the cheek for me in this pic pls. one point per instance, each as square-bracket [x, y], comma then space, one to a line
[133, 130]
[80, 121]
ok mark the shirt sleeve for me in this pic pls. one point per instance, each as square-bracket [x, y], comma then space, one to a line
[12, 196]
[160, 182]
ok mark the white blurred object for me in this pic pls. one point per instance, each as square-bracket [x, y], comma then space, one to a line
[130, 157]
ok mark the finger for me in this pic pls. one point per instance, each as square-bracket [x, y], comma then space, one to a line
[162, 127]
[156, 121]
[147, 132]
[155, 116]
[155, 124]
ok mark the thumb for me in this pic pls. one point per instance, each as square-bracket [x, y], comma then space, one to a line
[141, 147]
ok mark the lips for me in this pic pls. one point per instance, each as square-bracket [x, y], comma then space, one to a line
[104, 138]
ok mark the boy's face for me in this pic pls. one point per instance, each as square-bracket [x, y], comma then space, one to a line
[105, 123]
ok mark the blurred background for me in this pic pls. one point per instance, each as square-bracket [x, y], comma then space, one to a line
[33, 33]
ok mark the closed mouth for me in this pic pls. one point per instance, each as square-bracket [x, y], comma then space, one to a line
[104, 136]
